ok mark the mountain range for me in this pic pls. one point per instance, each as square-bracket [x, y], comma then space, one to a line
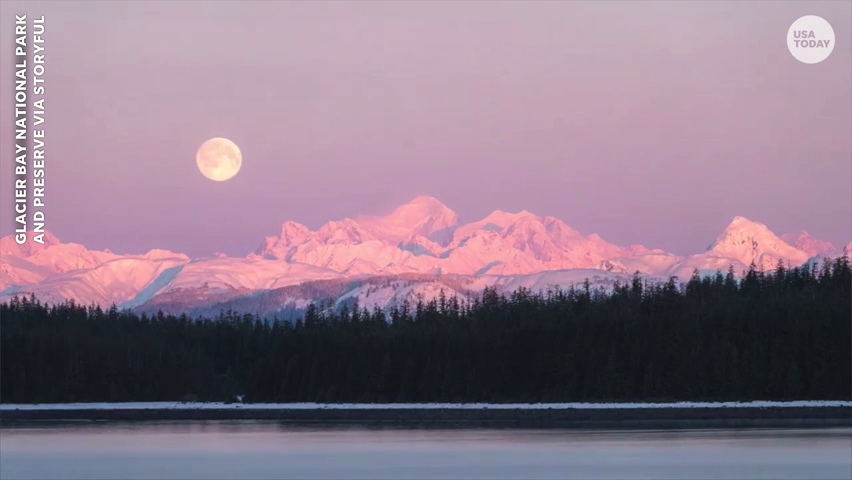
[419, 249]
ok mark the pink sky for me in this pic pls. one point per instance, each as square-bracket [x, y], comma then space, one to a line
[645, 122]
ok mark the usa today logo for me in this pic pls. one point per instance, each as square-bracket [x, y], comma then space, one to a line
[810, 39]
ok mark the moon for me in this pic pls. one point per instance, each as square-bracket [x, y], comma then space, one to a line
[219, 159]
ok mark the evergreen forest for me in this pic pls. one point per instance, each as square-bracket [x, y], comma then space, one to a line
[784, 334]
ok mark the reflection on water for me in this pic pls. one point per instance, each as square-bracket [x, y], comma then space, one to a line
[246, 449]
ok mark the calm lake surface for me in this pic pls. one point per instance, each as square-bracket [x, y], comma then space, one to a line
[261, 450]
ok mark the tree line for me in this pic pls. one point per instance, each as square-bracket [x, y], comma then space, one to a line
[780, 335]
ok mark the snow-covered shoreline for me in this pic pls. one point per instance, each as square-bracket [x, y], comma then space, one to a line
[422, 406]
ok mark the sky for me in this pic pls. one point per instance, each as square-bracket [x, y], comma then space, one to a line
[644, 122]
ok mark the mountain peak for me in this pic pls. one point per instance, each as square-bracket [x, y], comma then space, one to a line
[8, 245]
[742, 222]
[423, 206]
[346, 231]
[504, 219]
[741, 226]
[292, 234]
[809, 244]
[748, 241]
[423, 215]
[426, 200]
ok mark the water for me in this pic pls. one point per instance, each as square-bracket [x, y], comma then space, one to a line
[261, 450]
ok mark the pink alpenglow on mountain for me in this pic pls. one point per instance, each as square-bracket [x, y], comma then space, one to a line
[418, 249]
[805, 242]
[8, 245]
[292, 234]
[424, 236]
[423, 216]
[33, 262]
[748, 241]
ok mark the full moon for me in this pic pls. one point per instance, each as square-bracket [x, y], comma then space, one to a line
[219, 159]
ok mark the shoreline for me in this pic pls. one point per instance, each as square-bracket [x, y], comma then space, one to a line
[573, 416]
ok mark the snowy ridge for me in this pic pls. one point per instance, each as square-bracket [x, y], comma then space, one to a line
[419, 406]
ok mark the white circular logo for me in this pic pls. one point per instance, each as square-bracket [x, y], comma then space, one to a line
[810, 39]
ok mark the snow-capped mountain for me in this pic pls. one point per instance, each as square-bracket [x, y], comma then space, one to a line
[752, 242]
[742, 242]
[292, 234]
[8, 245]
[423, 236]
[419, 249]
[424, 217]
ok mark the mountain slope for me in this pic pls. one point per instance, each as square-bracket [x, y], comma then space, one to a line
[113, 282]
